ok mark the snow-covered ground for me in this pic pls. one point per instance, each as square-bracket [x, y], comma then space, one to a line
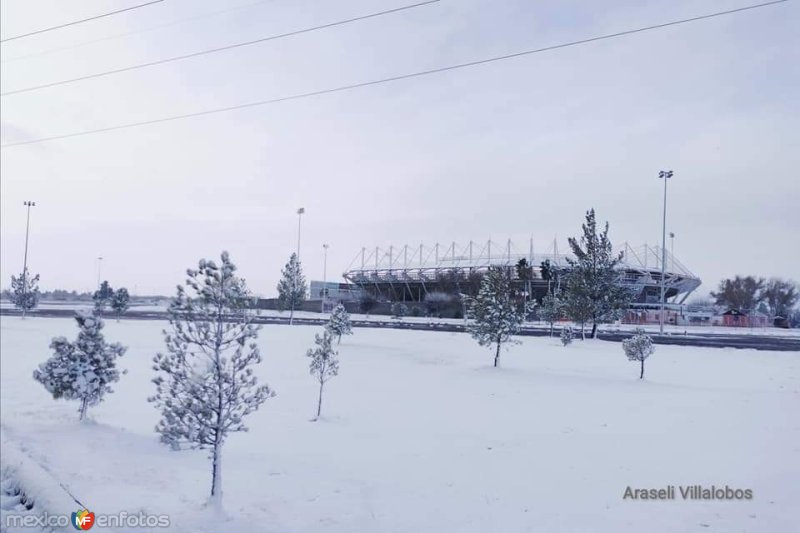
[421, 434]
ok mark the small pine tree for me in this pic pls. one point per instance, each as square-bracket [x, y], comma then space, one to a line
[102, 297]
[292, 286]
[551, 310]
[82, 370]
[494, 316]
[567, 335]
[206, 384]
[25, 291]
[638, 348]
[120, 301]
[324, 364]
[339, 323]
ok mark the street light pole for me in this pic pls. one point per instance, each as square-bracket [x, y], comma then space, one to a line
[99, 266]
[28, 205]
[665, 175]
[300, 212]
[324, 276]
[672, 250]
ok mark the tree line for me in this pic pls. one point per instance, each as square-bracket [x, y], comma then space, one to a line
[774, 296]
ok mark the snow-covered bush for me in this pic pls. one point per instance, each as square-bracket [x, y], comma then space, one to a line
[399, 309]
[339, 323]
[324, 364]
[206, 385]
[493, 313]
[567, 335]
[25, 291]
[638, 348]
[82, 370]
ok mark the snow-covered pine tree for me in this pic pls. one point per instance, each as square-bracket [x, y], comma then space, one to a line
[638, 348]
[120, 301]
[102, 297]
[82, 370]
[567, 335]
[494, 315]
[594, 272]
[577, 306]
[551, 310]
[292, 286]
[25, 291]
[339, 323]
[324, 364]
[206, 385]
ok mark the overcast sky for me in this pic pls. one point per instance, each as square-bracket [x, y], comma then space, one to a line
[511, 149]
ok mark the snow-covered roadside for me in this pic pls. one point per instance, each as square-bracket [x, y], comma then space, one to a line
[419, 433]
[27, 489]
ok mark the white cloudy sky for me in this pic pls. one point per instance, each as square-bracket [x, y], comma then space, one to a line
[509, 149]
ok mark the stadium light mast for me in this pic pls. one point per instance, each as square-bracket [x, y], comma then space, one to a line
[665, 175]
[28, 205]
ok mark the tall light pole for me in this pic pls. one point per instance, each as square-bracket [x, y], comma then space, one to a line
[300, 212]
[99, 267]
[324, 275]
[672, 250]
[665, 175]
[28, 205]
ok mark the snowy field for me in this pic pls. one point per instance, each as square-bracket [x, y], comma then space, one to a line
[421, 434]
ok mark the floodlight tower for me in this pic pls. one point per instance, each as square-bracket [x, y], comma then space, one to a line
[665, 175]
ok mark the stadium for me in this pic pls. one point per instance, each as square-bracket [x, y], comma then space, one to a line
[410, 274]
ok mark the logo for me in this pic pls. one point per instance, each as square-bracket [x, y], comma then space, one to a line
[82, 520]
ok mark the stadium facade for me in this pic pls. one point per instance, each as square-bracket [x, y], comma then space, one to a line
[409, 273]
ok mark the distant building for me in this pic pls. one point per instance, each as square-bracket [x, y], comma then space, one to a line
[410, 273]
[331, 290]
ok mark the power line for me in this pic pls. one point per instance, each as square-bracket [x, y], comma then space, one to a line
[134, 32]
[219, 49]
[81, 21]
[418, 74]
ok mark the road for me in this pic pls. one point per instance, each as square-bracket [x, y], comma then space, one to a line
[713, 340]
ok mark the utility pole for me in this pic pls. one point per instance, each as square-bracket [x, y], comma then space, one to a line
[665, 175]
[28, 205]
